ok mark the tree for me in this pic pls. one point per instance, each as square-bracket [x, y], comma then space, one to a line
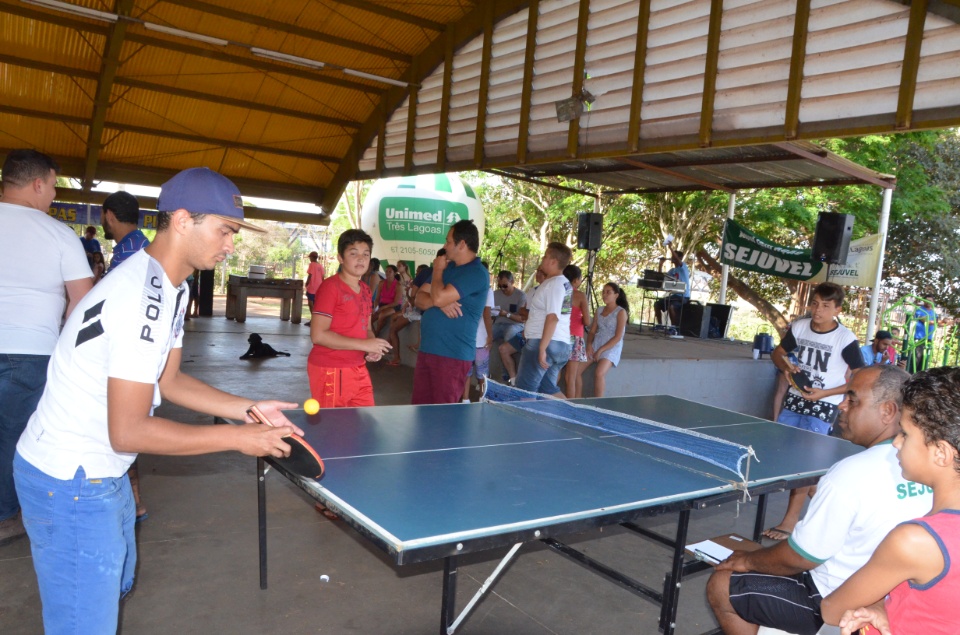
[922, 250]
[925, 165]
[543, 213]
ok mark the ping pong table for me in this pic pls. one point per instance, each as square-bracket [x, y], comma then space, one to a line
[482, 477]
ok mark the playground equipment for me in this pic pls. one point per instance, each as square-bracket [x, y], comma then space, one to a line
[903, 316]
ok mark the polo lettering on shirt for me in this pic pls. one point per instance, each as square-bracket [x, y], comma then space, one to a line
[124, 328]
[152, 298]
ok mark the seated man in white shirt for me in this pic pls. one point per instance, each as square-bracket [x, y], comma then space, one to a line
[858, 501]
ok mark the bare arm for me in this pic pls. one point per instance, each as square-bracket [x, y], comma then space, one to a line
[584, 310]
[423, 299]
[76, 289]
[189, 392]
[907, 553]
[779, 559]
[321, 334]
[781, 361]
[488, 324]
[549, 327]
[592, 333]
[442, 295]
[133, 429]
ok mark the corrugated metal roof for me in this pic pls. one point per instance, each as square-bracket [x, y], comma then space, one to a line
[181, 98]
[257, 104]
[790, 164]
[849, 79]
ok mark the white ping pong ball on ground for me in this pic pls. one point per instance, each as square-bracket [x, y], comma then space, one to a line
[324, 578]
[311, 406]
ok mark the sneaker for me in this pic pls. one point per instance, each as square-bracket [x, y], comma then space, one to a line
[307, 323]
[11, 529]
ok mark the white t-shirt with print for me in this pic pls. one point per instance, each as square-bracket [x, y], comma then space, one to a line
[858, 501]
[41, 254]
[124, 328]
[554, 295]
[825, 358]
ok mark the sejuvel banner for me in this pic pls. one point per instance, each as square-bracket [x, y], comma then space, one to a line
[744, 249]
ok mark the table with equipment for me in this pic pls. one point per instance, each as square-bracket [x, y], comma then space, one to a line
[437, 482]
[289, 291]
[655, 286]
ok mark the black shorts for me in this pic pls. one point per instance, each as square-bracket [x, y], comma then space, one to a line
[674, 299]
[787, 602]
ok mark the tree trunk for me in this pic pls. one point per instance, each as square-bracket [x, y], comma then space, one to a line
[767, 310]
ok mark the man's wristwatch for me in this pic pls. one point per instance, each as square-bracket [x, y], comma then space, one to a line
[509, 314]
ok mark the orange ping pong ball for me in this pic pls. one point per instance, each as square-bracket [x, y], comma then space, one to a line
[311, 406]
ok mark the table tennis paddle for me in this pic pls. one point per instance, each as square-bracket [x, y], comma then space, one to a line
[801, 382]
[303, 460]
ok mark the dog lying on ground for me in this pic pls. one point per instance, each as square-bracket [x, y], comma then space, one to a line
[260, 349]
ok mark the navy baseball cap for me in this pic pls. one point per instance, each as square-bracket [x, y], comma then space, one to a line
[883, 335]
[203, 191]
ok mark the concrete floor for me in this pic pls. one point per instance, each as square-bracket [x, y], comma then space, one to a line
[197, 570]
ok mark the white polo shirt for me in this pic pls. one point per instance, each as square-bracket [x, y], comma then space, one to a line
[124, 328]
[858, 501]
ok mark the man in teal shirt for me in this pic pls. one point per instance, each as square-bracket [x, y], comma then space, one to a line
[452, 302]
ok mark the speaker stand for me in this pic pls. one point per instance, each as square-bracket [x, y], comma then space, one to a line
[498, 259]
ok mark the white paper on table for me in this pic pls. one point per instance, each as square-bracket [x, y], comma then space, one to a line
[709, 551]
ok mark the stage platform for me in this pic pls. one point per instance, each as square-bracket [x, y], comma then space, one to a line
[718, 372]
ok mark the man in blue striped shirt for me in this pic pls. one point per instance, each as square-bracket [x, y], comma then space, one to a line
[120, 216]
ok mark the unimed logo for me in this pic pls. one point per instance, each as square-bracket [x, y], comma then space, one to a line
[419, 219]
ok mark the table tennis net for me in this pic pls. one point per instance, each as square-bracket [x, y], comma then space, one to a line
[724, 454]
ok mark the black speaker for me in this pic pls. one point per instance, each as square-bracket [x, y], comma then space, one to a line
[589, 228]
[831, 242]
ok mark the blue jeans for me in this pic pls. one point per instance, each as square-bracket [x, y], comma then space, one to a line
[503, 332]
[804, 422]
[531, 376]
[22, 378]
[83, 544]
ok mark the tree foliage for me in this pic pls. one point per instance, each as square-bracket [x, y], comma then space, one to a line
[546, 214]
[923, 232]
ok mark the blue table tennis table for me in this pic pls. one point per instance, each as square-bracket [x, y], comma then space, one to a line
[482, 477]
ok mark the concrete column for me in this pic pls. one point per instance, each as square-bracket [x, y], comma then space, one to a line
[875, 296]
[731, 206]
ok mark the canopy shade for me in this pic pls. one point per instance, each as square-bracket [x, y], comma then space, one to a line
[294, 99]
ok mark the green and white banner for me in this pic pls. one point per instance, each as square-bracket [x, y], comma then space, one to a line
[861, 267]
[744, 249]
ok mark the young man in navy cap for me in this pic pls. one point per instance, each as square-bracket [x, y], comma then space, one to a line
[119, 353]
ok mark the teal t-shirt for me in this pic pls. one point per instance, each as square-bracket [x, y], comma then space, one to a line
[457, 338]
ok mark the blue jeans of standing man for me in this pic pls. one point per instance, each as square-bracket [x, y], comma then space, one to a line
[22, 378]
[533, 377]
[83, 545]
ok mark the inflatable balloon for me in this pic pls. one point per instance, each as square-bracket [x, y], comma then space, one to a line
[408, 217]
